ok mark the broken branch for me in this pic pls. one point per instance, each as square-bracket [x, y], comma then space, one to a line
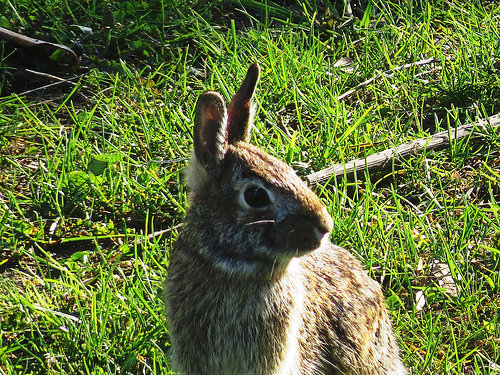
[26, 41]
[386, 159]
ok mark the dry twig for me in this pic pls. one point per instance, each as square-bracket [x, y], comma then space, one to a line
[386, 159]
[26, 41]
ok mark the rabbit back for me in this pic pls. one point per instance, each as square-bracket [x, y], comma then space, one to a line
[346, 316]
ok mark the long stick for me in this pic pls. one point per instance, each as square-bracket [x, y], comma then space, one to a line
[26, 41]
[386, 159]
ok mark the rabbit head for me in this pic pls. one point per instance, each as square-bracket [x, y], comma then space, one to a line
[250, 212]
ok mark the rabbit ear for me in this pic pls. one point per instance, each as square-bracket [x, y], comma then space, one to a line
[210, 129]
[241, 110]
[215, 128]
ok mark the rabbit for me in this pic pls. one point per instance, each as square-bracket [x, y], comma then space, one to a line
[254, 286]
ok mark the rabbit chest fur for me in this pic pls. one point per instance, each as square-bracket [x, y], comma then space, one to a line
[321, 317]
[254, 286]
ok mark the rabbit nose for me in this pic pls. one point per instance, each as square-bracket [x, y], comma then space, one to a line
[320, 235]
[320, 226]
[325, 222]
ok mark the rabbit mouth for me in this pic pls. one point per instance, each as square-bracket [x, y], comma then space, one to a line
[294, 237]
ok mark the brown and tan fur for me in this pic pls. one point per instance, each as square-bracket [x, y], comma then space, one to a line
[254, 287]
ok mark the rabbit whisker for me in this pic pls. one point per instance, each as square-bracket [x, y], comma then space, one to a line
[261, 222]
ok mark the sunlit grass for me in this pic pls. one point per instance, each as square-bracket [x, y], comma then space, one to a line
[92, 192]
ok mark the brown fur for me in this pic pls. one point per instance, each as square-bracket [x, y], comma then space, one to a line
[256, 288]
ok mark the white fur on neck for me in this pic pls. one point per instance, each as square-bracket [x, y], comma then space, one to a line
[290, 360]
[196, 174]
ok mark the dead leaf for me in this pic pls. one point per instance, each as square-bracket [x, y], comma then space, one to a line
[420, 265]
[345, 64]
[420, 300]
[441, 272]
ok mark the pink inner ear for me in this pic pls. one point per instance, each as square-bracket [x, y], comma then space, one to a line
[210, 126]
[239, 113]
[240, 110]
[212, 114]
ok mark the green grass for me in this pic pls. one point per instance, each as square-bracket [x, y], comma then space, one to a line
[91, 186]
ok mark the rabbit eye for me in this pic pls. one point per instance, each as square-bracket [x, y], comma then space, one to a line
[256, 197]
